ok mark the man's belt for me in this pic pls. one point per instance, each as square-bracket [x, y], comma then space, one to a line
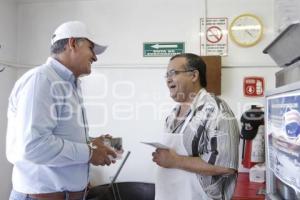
[58, 196]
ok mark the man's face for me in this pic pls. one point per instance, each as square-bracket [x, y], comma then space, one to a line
[83, 57]
[179, 80]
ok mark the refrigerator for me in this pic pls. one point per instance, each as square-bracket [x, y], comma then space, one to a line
[282, 118]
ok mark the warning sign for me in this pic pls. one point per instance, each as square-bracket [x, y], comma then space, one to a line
[214, 34]
[213, 37]
[254, 86]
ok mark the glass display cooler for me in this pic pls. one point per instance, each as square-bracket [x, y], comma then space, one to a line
[282, 118]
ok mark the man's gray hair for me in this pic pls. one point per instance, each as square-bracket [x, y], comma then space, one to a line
[59, 46]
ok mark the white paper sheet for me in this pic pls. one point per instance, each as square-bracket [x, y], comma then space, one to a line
[156, 145]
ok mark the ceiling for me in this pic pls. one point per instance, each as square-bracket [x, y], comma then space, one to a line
[41, 1]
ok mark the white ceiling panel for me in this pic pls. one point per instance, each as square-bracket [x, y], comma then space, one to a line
[43, 1]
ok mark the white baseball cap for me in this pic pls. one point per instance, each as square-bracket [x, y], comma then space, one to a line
[75, 29]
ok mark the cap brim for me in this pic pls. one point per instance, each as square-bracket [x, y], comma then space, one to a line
[98, 49]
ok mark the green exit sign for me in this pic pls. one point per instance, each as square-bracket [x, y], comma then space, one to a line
[162, 49]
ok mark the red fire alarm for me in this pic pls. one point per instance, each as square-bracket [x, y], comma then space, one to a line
[254, 86]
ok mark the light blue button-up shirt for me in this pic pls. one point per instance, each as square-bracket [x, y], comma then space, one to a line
[47, 131]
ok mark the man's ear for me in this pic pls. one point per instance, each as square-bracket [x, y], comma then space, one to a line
[72, 44]
[196, 76]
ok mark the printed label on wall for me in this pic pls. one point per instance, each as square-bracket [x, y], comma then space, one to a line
[162, 49]
[213, 37]
[254, 86]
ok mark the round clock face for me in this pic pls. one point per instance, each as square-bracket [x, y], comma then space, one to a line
[246, 30]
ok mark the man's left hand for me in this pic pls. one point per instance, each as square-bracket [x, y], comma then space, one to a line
[167, 158]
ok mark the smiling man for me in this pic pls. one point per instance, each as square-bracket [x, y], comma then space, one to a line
[48, 137]
[203, 136]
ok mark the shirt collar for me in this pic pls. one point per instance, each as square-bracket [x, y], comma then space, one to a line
[61, 70]
[199, 99]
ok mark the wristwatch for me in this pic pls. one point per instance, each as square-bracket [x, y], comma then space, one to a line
[91, 147]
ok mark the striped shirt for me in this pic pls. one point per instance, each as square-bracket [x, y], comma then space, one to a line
[213, 135]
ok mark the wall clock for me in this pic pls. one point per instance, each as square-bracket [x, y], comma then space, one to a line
[246, 30]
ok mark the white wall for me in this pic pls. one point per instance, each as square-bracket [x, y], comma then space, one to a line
[7, 79]
[8, 27]
[130, 103]
[126, 90]
[125, 25]
[8, 33]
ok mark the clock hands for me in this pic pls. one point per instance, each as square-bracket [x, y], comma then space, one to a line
[249, 33]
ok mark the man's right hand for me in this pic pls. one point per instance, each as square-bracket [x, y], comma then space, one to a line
[101, 153]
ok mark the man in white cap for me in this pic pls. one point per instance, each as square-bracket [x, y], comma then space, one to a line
[47, 136]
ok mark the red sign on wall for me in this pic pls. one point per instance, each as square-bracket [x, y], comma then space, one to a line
[254, 86]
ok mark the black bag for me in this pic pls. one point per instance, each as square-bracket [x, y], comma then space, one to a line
[123, 191]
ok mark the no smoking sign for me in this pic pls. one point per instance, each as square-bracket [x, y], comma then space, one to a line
[214, 34]
[214, 37]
